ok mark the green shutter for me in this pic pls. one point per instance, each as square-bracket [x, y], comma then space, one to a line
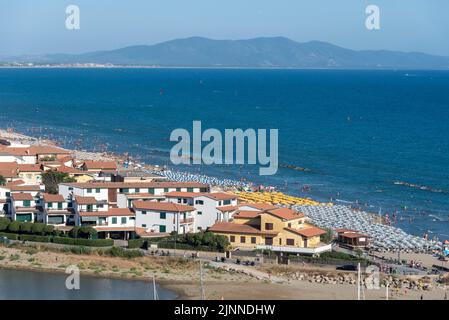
[163, 215]
[123, 220]
[26, 203]
[114, 220]
[162, 228]
[189, 189]
[50, 204]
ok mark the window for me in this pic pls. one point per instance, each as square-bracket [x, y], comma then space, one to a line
[151, 190]
[189, 189]
[163, 215]
[162, 229]
[178, 189]
[253, 239]
[50, 204]
[144, 225]
[179, 200]
[114, 220]
[89, 190]
[280, 241]
[232, 239]
[290, 242]
[242, 239]
[199, 213]
[125, 190]
[200, 202]
[123, 220]
[26, 203]
[144, 212]
[60, 205]
[132, 218]
[203, 190]
[98, 190]
[70, 188]
[165, 189]
[137, 190]
[8, 194]
[289, 225]
[226, 202]
[268, 226]
[100, 205]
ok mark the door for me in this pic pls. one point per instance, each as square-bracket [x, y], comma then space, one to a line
[305, 242]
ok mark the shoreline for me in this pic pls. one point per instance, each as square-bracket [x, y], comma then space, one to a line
[368, 218]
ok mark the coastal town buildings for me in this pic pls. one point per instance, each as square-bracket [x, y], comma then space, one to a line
[164, 217]
[276, 229]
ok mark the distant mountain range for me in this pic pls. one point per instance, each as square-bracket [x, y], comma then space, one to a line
[273, 52]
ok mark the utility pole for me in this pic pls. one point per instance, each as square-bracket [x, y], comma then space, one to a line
[203, 293]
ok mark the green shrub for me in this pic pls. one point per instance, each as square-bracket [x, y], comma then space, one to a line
[10, 236]
[74, 233]
[38, 229]
[137, 243]
[14, 226]
[84, 242]
[25, 227]
[4, 223]
[34, 238]
[123, 253]
[48, 229]
[87, 233]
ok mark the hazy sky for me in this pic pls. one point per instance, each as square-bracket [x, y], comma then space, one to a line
[38, 26]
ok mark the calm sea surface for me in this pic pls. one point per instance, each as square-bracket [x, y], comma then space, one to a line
[358, 132]
[27, 285]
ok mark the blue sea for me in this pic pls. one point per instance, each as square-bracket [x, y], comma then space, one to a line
[358, 132]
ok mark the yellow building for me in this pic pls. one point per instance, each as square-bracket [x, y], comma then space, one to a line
[278, 229]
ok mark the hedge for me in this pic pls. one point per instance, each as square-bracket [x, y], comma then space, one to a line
[137, 243]
[10, 236]
[84, 242]
[29, 237]
[184, 246]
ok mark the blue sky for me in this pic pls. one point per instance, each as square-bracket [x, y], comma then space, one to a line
[33, 27]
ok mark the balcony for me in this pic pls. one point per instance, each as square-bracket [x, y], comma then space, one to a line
[187, 221]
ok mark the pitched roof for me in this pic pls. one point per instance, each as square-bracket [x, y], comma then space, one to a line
[162, 206]
[32, 150]
[285, 213]
[227, 208]
[180, 194]
[53, 197]
[22, 196]
[85, 200]
[220, 195]
[260, 206]
[229, 227]
[308, 232]
[29, 168]
[31, 187]
[101, 165]
[246, 214]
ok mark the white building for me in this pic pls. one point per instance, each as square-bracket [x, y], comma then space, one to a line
[210, 207]
[164, 217]
[23, 207]
[109, 191]
[55, 210]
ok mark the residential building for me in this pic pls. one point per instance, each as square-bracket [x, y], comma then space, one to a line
[55, 210]
[164, 217]
[23, 207]
[278, 229]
